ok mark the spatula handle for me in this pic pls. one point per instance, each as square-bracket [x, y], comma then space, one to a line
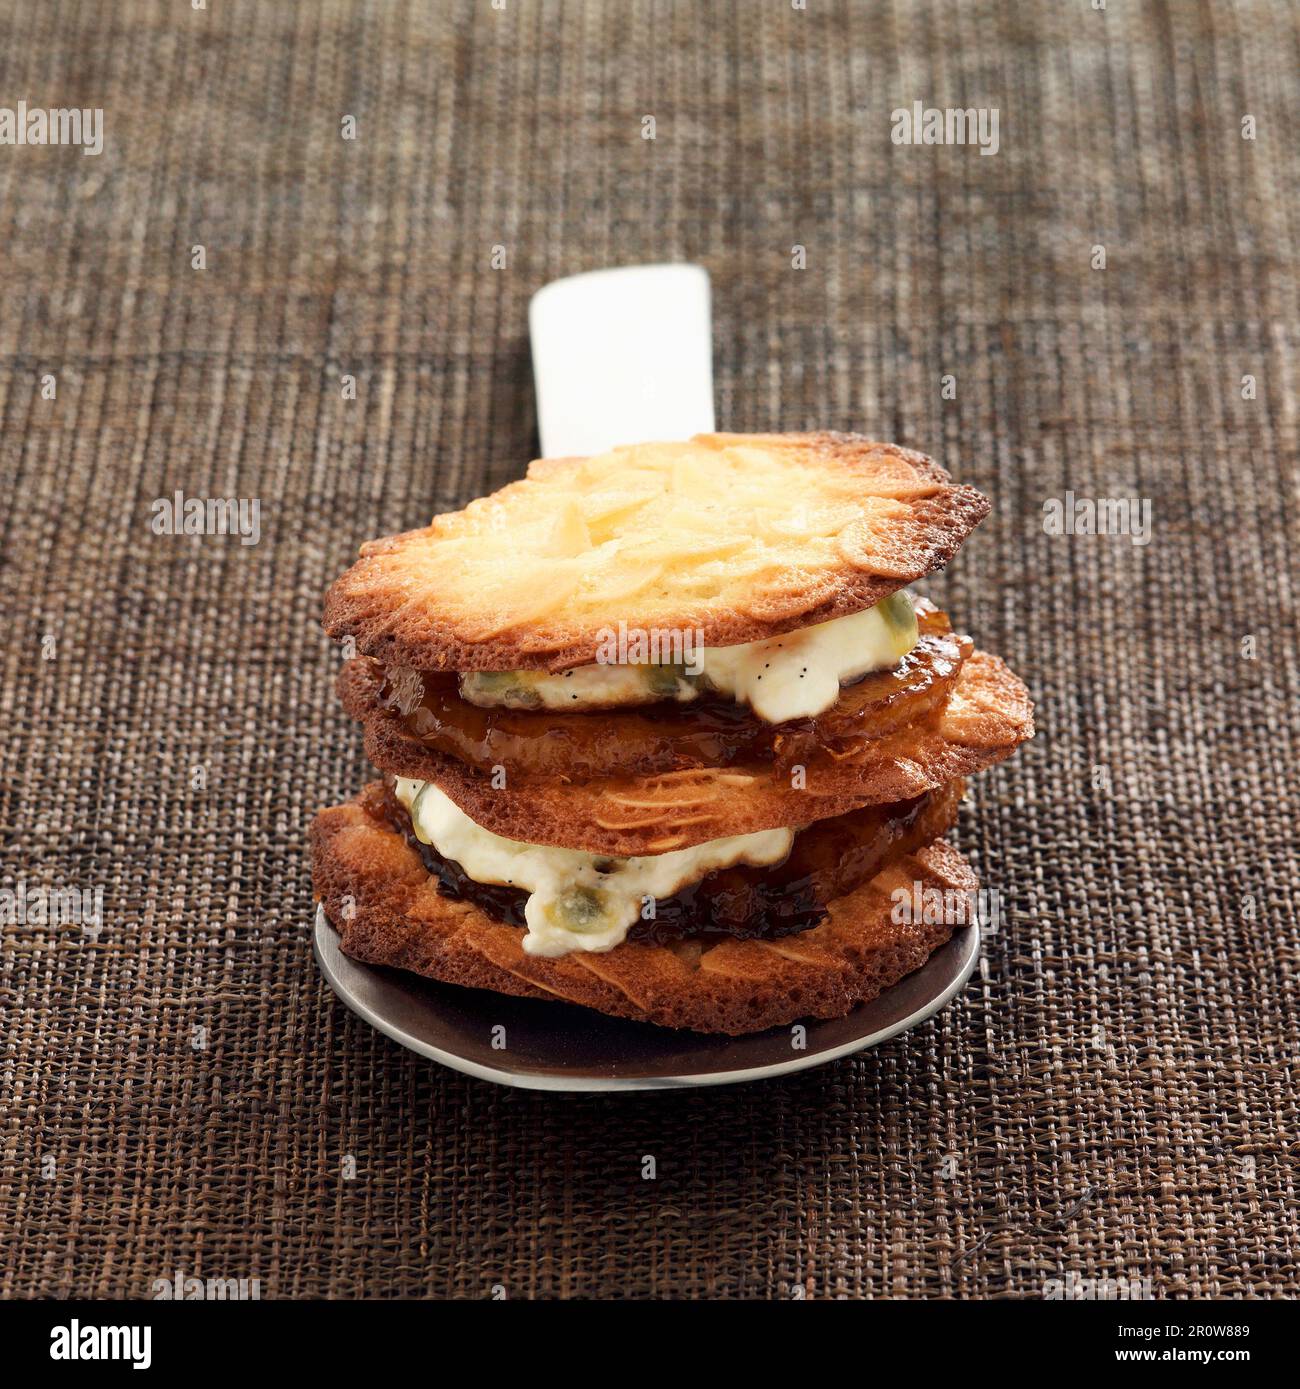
[622, 356]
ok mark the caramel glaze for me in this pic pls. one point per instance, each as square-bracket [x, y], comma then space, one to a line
[828, 859]
[709, 732]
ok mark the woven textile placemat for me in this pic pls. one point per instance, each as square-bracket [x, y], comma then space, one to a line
[1113, 1096]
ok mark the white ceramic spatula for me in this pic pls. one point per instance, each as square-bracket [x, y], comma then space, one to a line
[620, 357]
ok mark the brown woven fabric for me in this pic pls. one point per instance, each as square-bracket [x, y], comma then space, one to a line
[1112, 1097]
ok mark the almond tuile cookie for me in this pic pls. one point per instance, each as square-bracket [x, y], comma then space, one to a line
[737, 537]
[388, 911]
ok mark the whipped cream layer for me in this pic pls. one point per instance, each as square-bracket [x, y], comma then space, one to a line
[577, 901]
[794, 676]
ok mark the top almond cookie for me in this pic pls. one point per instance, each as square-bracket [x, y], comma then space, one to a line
[737, 537]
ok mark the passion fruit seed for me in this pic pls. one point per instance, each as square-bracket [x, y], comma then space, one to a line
[509, 687]
[900, 617]
[581, 907]
[662, 680]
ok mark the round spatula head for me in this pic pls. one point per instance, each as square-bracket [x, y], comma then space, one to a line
[556, 1046]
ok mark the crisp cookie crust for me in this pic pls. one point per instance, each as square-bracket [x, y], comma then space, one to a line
[739, 536]
[986, 718]
[389, 912]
